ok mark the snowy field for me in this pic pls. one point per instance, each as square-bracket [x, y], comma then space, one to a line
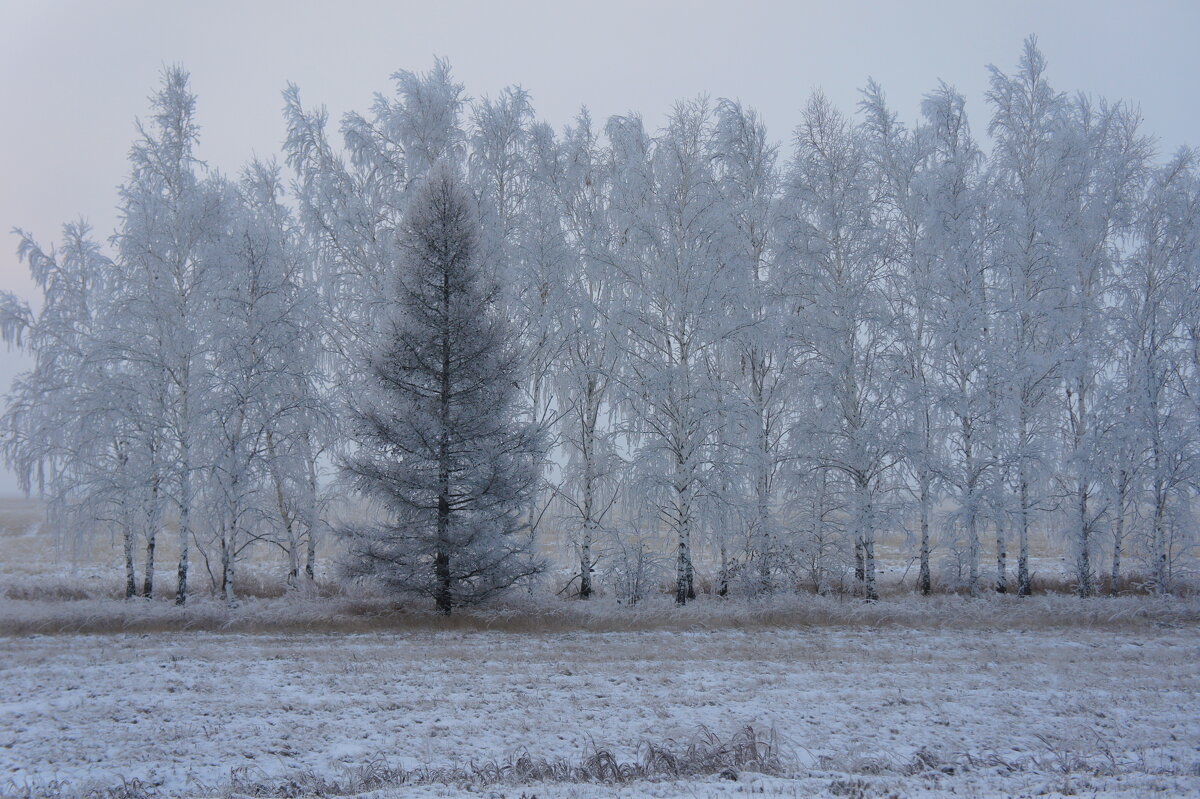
[856, 711]
[348, 695]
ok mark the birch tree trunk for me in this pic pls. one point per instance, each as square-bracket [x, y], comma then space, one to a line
[1118, 534]
[685, 588]
[1024, 584]
[1078, 408]
[228, 556]
[152, 523]
[1159, 537]
[762, 478]
[310, 510]
[589, 428]
[924, 583]
[1083, 563]
[185, 524]
[973, 551]
[127, 529]
[589, 522]
[869, 551]
[1001, 557]
[286, 516]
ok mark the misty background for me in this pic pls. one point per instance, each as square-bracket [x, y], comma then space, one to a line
[74, 75]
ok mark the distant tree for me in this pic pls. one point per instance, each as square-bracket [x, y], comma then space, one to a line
[1155, 440]
[677, 284]
[70, 430]
[1107, 164]
[169, 249]
[441, 445]
[835, 264]
[586, 364]
[1028, 171]
[898, 157]
[954, 240]
[265, 410]
[756, 362]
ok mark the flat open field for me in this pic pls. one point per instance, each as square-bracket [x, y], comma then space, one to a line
[856, 712]
[353, 695]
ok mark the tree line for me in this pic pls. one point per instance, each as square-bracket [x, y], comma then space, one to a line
[673, 349]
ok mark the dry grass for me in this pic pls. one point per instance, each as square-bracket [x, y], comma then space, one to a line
[366, 611]
[1071, 765]
[704, 755]
[55, 789]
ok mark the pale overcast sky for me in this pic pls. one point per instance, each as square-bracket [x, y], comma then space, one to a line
[73, 75]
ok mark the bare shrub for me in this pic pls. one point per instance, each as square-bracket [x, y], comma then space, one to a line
[635, 567]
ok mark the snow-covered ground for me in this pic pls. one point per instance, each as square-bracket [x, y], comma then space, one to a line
[858, 712]
[909, 697]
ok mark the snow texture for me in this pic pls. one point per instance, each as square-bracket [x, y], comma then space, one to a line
[860, 712]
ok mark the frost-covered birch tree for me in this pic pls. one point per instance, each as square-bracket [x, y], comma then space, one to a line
[899, 157]
[352, 202]
[1157, 320]
[298, 424]
[756, 360]
[677, 284]
[955, 240]
[1028, 167]
[512, 159]
[520, 227]
[837, 272]
[167, 252]
[263, 403]
[1107, 157]
[585, 371]
[69, 430]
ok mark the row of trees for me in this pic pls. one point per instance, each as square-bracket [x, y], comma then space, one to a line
[768, 362]
[180, 376]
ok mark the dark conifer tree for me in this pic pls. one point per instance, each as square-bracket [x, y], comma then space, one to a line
[442, 446]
